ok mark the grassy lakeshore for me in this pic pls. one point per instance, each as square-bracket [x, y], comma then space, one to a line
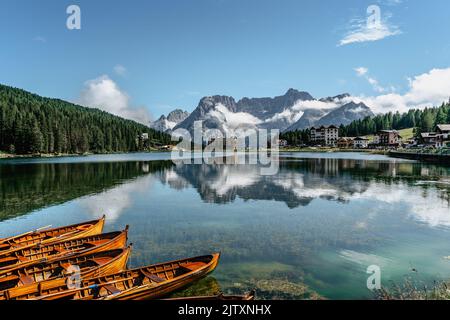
[325, 150]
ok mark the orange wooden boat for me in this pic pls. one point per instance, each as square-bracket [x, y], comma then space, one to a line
[37, 253]
[221, 297]
[86, 264]
[11, 244]
[149, 282]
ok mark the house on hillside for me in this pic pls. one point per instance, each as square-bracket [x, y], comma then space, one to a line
[324, 135]
[360, 143]
[345, 143]
[438, 139]
[389, 138]
[443, 129]
[430, 139]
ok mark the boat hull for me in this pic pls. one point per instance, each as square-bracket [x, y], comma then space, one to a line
[150, 293]
[149, 282]
[37, 253]
[13, 244]
[55, 273]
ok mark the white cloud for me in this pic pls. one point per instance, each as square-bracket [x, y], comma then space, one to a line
[361, 71]
[104, 94]
[232, 120]
[294, 113]
[364, 72]
[315, 104]
[120, 70]
[425, 90]
[288, 115]
[362, 31]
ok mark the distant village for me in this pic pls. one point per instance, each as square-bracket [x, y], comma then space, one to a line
[328, 136]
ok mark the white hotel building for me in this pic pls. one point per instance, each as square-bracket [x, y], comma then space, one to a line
[324, 135]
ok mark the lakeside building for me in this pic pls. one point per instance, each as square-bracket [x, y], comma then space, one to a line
[360, 143]
[388, 138]
[438, 139]
[282, 143]
[345, 142]
[324, 135]
[430, 139]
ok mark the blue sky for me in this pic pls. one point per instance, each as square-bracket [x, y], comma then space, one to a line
[162, 54]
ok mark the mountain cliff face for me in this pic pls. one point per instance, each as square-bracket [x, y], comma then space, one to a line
[165, 124]
[211, 110]
[292, 111]
[265, 108]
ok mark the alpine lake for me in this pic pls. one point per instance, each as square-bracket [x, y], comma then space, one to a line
[310, 231]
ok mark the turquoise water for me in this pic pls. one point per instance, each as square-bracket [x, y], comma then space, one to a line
[309, 231]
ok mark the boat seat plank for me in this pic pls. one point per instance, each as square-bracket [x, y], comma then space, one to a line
[8, 259]
[60, 249]
[97, 242]
[65, 266]
[152, 277]
[26, 280]
[9, 278]
[193, 265]
[112, 289]
[22, 259]
[101, 261]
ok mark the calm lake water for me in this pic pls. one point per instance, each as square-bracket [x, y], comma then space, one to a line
[309, 231]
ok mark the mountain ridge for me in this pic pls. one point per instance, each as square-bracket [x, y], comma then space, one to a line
[167, 123]
[292, 111]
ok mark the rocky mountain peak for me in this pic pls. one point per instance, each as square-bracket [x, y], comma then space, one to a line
[336, 98]
[177, 115]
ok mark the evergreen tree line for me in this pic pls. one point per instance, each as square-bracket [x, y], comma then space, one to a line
[422, 120]
[32, 124]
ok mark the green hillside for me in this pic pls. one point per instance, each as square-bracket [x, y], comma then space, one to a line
[31, 124]
[407, 134]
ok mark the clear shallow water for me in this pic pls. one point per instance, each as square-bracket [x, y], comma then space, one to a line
[311, 230]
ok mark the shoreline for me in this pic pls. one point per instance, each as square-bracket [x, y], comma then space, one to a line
[9, 156]
[334, 150]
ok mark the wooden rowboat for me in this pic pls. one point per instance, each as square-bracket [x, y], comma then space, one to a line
[149, 282]
[11, 244]
[32, 254]
[55, 271]
[221, 297]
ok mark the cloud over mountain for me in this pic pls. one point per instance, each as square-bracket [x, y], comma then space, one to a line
[103, 93]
